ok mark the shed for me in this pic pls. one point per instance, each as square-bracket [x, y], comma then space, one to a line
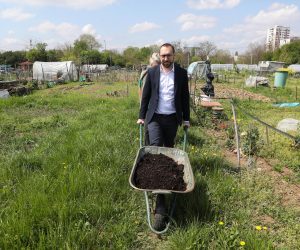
[269, 66]
[52, 71]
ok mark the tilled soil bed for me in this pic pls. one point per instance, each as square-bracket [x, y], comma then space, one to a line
[158, 171]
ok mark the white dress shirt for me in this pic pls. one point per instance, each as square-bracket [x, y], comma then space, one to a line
[166, 100]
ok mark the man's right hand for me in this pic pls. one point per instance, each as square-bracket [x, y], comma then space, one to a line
[140, 121]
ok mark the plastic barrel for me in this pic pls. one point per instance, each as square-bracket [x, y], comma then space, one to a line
[280, 79]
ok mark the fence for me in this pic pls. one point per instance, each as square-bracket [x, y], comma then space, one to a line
[115, 76]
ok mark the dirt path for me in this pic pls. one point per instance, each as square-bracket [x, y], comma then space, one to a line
[223, 91]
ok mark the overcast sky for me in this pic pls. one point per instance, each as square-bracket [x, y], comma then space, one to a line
[117, 24]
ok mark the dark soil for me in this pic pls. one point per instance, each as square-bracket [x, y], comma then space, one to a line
[158, 171]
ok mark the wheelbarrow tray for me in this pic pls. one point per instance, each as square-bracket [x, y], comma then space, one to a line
[177, 155]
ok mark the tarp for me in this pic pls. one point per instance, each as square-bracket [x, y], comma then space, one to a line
[197, 69]
[253, 81]
[295, 68]
[288, 124]
[52, 71]
[287, 104]
[4, 94]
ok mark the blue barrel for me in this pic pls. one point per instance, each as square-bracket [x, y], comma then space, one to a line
[280, 79]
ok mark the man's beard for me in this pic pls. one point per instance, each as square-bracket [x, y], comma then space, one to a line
[167, 64]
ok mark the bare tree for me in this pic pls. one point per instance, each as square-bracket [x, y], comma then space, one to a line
[221, 56]
[254, 52]
[205, 50]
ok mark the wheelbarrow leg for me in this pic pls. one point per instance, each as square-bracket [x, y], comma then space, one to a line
[160, 213]
[166, 223]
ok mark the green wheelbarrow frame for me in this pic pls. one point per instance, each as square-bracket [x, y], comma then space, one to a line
[179, 156]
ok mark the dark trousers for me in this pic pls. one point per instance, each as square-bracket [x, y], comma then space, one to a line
[162, 130]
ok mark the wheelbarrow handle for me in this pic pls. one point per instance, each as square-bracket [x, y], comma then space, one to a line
[141, 135]
[185, 128]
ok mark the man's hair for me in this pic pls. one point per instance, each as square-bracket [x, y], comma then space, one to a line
[167, 45]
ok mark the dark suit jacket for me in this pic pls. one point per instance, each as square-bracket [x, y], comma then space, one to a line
[149, 100]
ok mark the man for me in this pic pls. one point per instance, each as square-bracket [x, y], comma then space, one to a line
[164, 106]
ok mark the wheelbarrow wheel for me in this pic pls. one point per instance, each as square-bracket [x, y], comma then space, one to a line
[160, 222]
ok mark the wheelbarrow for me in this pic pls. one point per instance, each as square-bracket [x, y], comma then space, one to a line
[179, 156]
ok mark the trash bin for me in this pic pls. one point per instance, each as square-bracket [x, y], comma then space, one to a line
[280, 79]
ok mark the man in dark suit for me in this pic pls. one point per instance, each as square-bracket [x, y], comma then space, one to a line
[164, 107]
[165, 99]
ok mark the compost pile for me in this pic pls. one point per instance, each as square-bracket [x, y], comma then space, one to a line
[158, 171]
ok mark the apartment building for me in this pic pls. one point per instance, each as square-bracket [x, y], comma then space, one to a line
[277, 36]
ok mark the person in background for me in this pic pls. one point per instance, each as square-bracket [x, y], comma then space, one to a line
[165, 105]
[153, 61]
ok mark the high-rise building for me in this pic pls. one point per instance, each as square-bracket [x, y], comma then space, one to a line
[277, 36]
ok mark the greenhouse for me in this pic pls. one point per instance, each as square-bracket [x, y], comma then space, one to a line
[53, 71]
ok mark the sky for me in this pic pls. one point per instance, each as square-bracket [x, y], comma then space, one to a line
[118, 24]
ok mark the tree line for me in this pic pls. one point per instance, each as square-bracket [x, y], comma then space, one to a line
[86, 50]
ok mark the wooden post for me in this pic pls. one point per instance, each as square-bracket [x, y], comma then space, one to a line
[267, 135]
[296, 93]
[236, 135]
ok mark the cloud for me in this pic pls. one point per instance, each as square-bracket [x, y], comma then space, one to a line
[89, 29]
[193, 22]
[141, 27]
[254, 28]
[60, 33]
[277, 13]
[15, 14]
[11, 43]
[212, 4]
[75, 4]
[194, 40]
[63, 30]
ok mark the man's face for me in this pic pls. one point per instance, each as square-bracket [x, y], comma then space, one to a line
[166, 56]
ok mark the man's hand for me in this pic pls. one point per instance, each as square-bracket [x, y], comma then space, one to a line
[140, 121]
[186, 124]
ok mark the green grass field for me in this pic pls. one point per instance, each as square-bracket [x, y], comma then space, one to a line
[65, 158]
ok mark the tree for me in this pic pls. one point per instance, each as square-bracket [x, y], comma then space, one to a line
[267, 56]
[54, 55]
[90, 41]
[205, 50]
[12, 58]
[221, 56]
[290, 53]
[254, 52]
[131, 56]
[117, 59]
[91, 56]
[68, 52]
[38, 53]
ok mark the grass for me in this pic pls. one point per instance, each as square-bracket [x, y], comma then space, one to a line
[65, 159]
